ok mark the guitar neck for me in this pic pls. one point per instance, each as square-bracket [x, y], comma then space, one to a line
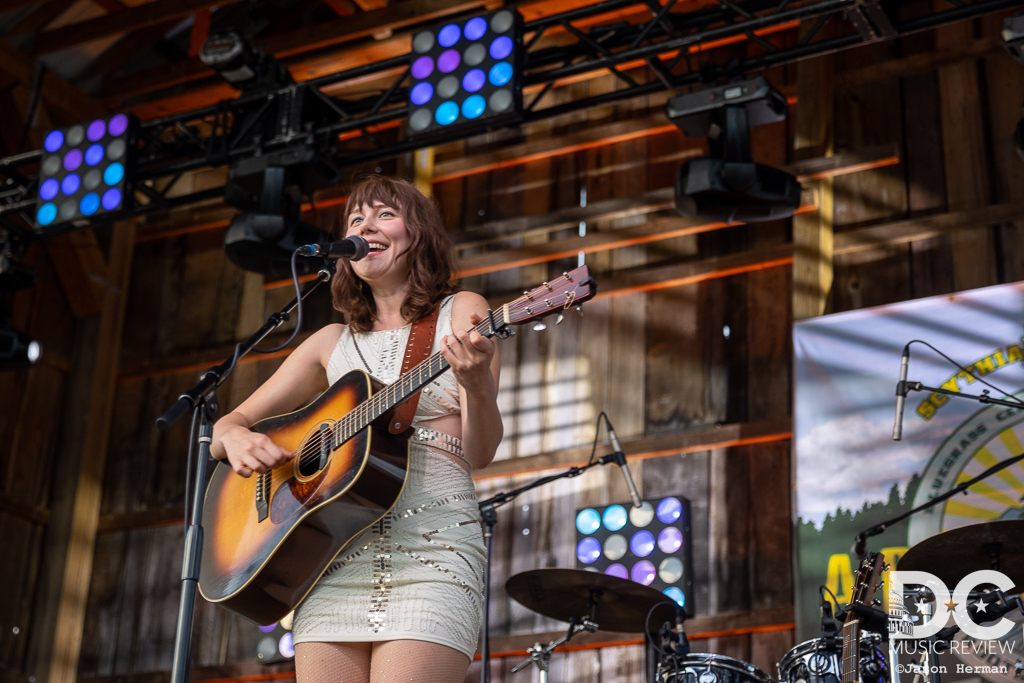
[394, 394]
[851, 651]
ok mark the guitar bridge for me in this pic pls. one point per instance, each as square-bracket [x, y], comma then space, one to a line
[263, 495]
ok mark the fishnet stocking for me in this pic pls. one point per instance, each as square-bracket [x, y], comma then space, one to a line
[395, 661]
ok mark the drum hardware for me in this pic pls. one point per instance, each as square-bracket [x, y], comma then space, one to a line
[952, 555]
[541, 655]
[704, 667]
[816, 661]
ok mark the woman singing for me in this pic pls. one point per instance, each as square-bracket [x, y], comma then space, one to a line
[404, 600]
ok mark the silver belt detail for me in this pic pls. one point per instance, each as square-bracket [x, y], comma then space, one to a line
[440, 441]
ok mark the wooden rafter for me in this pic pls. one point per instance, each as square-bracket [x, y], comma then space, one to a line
[61, 97]
[39, 18]
[120, 53]
[131, 19]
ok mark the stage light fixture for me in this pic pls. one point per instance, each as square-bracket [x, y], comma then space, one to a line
[466, 73]
[650, 544]
[17, 350]
[263, 241]
[275, 645]
[86, 173]
[1013, 36]
[729, 186]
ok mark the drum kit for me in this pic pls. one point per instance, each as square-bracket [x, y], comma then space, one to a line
[590, 601]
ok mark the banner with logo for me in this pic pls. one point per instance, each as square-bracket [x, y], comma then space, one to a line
[851, 474]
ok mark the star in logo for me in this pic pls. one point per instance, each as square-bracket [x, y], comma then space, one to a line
[980, 606]
[923, 607]
[951, 605]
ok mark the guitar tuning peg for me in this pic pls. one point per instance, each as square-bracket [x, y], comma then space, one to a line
[876, 602]
[579, 309]
[559, 319]
[886, 567]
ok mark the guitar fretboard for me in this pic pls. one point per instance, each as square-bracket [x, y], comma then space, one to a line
[851, 651]
[383, 401]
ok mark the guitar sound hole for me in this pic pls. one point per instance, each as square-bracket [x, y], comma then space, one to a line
[315, 452]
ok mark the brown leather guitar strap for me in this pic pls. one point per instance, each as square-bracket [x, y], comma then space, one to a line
[417, 350]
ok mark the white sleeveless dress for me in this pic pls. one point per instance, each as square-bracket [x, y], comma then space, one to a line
[417, 574]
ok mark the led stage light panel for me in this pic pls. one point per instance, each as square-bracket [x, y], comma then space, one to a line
[651, 544]
[466, 73]
[86, 171]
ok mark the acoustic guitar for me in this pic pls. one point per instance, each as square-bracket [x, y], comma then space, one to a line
[268, 538]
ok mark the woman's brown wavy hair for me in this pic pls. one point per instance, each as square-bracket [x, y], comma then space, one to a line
[431, 261]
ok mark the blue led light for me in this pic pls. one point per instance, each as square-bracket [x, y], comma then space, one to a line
[475, 28]
[89, 204]
[47, 212]
[676, 595]
[70, 184]
[669, 510]
[421, 93]
[49, 189]
[474, 80]
[588, 550]
[614, 517]
[500, 73]
[54, 140]
[286, 646]
[642, 543]
[501, 47]
[113, 174]
[449, 35]
[588, 521]
[111, 199]
[94, 154]
[446, 113]
[473, 106]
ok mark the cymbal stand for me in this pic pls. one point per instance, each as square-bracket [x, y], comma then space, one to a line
[541, 654]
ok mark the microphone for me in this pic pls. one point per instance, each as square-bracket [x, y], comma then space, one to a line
[901, 395]
[620, 460]
[352, 248]
[859, 549]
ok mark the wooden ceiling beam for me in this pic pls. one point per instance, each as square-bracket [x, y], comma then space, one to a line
[41, 17]
[62, 98]
[131, 19]
[117, 55]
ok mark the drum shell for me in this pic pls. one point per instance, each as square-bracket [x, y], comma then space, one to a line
[703, 667]
[822, 664]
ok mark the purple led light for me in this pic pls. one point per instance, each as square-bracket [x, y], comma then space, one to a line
[449, 35]
[501, 47]
[588, 550]
[96, 130]
[286, 646]
[268, 629]
[70, 184]
[670, 539]
[421, 93]
[422, 67]
[448, 61]
[118, 124]
[49, 189]
[54, 140]
[618, 570]
[72, 160]
[474, 80]
[669, 510]
[642, 543]
[475, 28]
[111, 199]
[643, 572]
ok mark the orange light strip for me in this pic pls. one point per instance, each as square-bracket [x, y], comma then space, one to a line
[639, 641]
[693, 279]
[853, 168]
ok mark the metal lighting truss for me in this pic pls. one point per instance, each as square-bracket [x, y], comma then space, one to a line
[299, 124]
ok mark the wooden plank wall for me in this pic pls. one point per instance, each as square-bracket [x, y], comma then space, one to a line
[663, 364]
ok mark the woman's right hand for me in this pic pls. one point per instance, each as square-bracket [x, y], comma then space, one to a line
[250, 451]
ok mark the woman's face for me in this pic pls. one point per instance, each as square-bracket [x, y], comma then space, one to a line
[383, 227]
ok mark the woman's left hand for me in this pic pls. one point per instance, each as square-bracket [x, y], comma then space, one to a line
[469, 354]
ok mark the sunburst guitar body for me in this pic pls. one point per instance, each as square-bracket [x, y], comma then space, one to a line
[269, 537]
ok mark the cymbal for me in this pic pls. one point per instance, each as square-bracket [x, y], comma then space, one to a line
[952, 555]
[614, 604]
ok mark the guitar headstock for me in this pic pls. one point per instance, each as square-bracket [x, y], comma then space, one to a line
[566, 291]
[868, 574]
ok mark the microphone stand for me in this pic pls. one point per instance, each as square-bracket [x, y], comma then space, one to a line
[489, 518]
[202, 401]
